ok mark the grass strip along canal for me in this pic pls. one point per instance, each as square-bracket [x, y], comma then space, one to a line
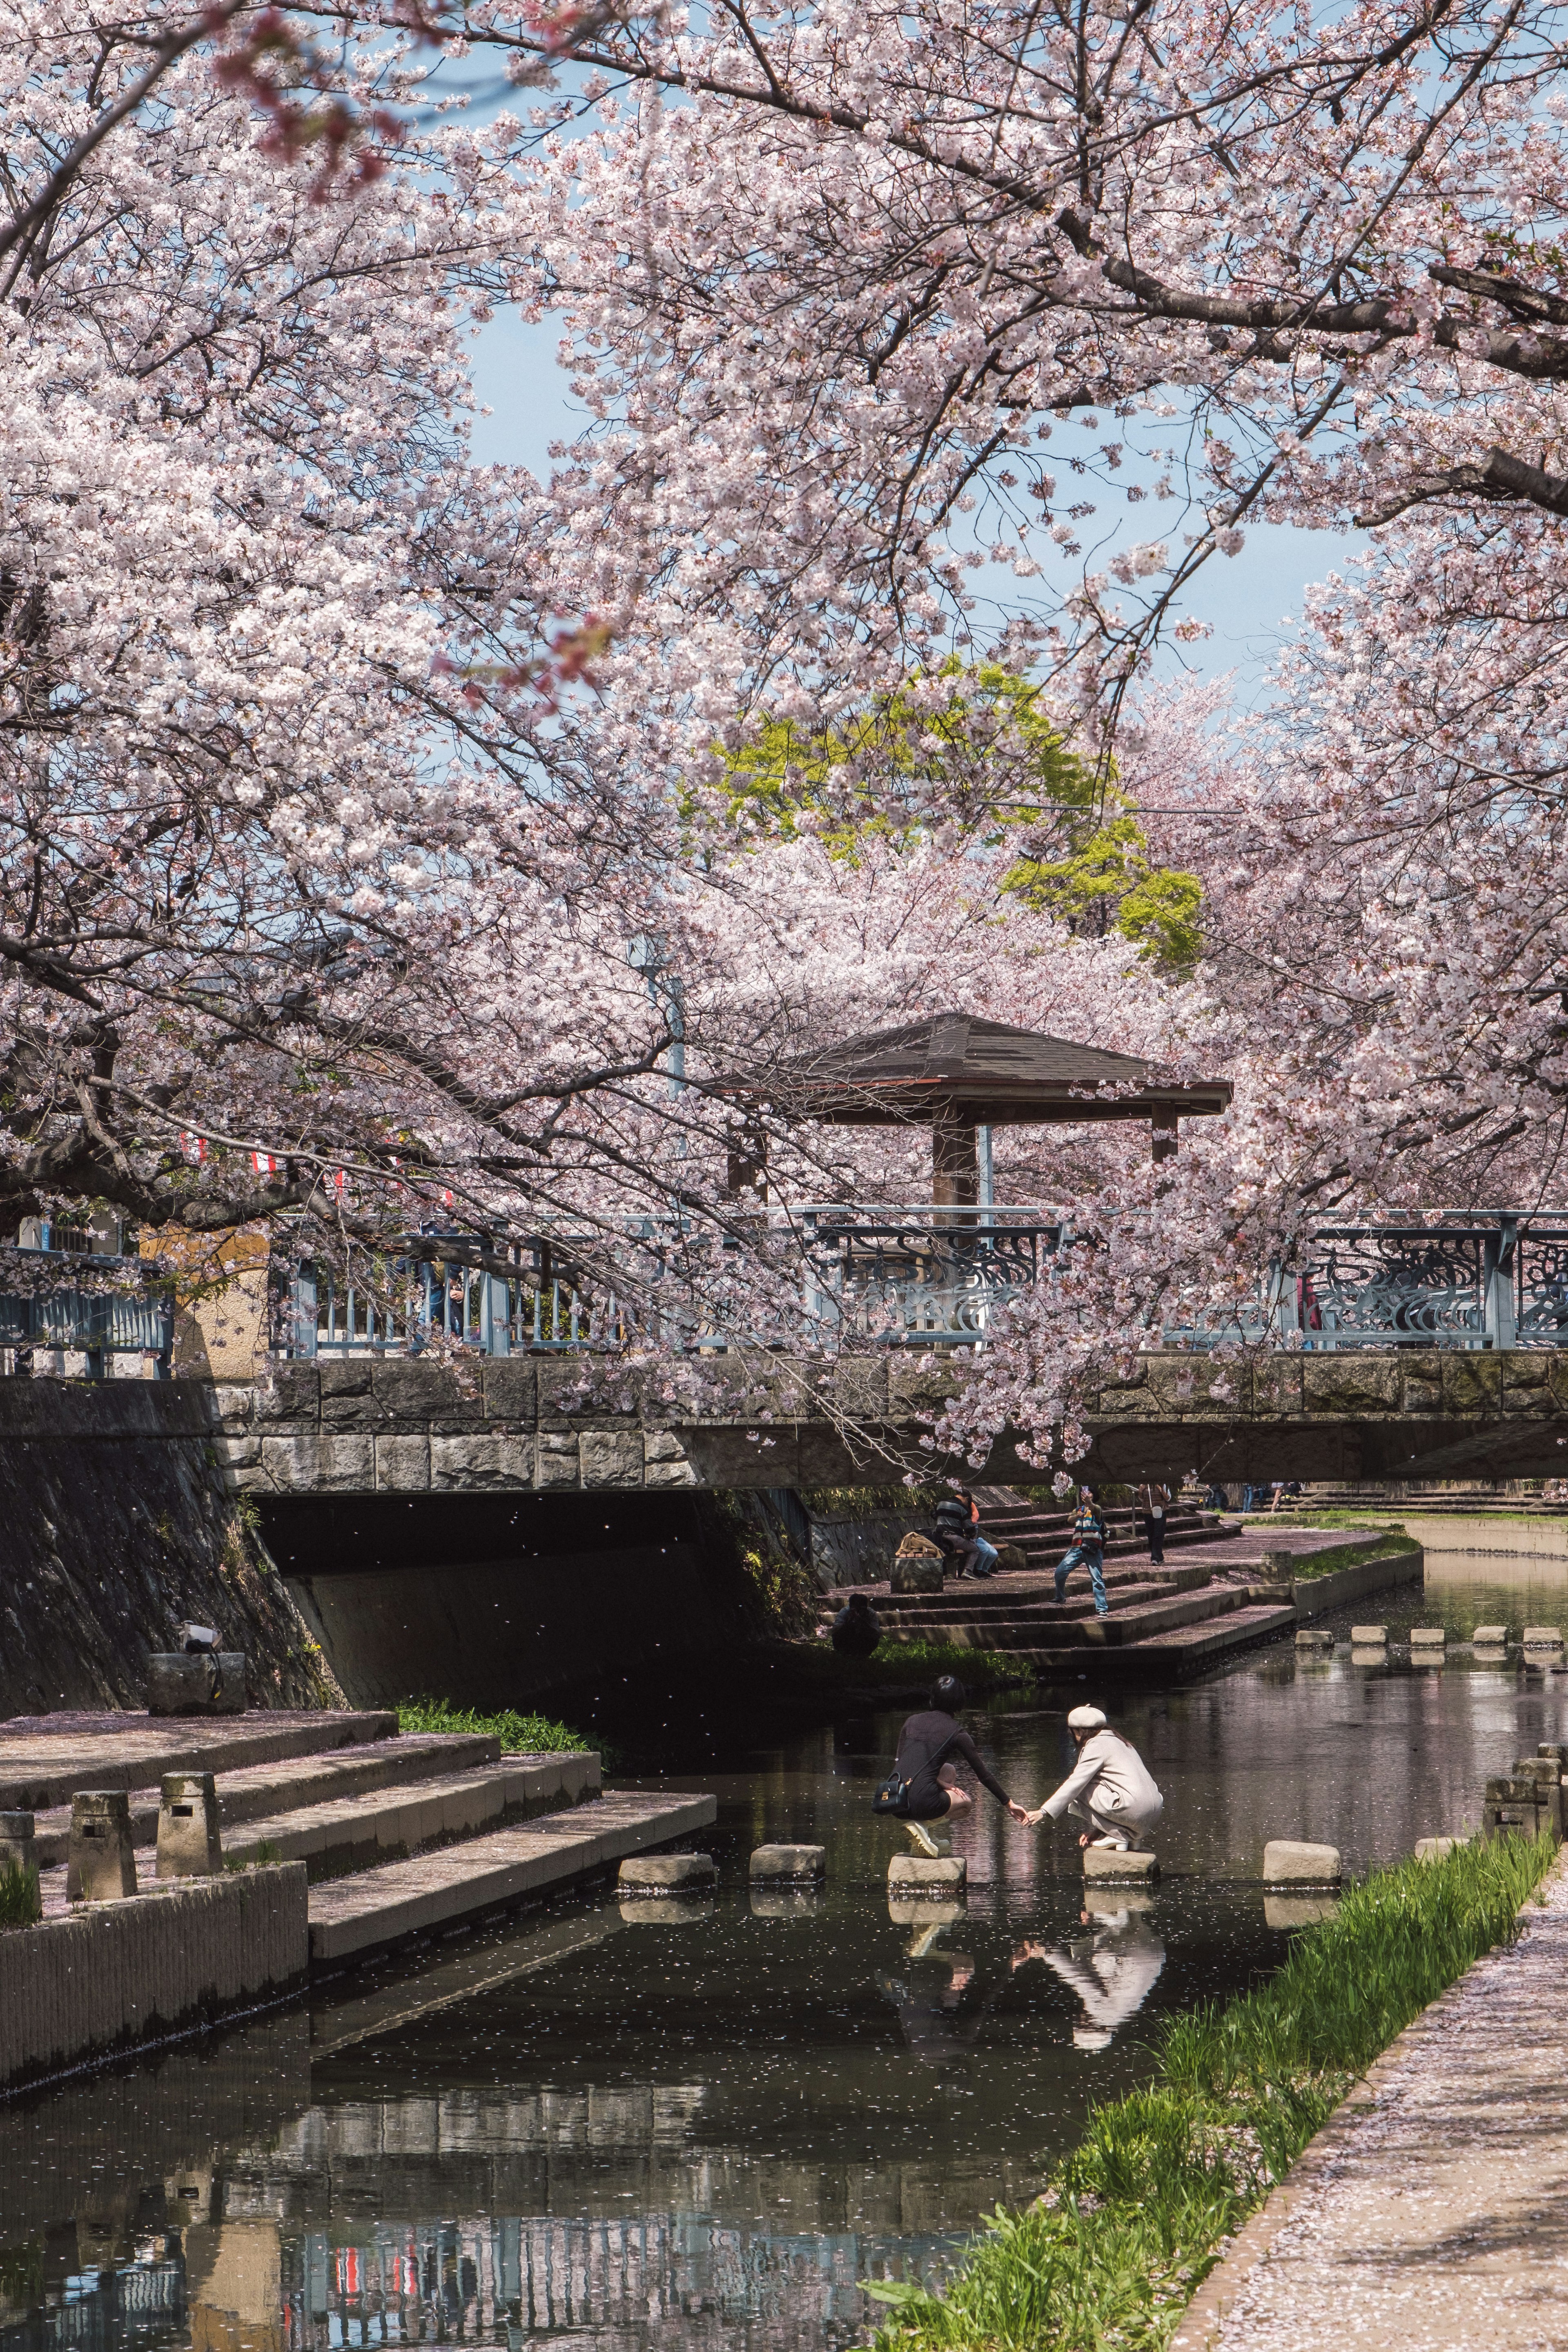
[1131, 2223]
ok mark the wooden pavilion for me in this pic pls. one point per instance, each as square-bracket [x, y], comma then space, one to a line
[955, 1074]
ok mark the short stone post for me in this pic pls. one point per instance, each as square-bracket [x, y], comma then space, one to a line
[1543, 1771]
[1513, 1802]
[17, 1850]
[189, 1845]
[100, 1864]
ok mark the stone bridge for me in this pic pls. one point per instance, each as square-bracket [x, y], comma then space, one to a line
[397, 1426]
[484, 1528]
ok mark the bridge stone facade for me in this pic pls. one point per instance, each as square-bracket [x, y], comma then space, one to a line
[397, 1426]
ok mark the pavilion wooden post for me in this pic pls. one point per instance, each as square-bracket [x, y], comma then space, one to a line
[747, 1173]
[1163, 1134]
[955, 1161]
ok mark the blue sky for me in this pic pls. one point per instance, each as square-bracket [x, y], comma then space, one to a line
[1246, 597]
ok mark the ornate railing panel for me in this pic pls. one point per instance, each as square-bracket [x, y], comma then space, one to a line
[918, 1277]
[1421, 1286]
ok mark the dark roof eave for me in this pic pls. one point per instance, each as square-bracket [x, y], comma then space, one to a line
[903, 1101]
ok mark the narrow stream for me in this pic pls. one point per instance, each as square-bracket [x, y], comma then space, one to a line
[707, 2122]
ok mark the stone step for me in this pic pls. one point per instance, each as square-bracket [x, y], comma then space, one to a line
[1026, 1628]
[456, 1884]
[1037, 1521]
[1122, 1627]
[1049, 1545]
[921, 1611]
[298, 1781]
[1174, 1651]
[361, 1833]
[44, 1758]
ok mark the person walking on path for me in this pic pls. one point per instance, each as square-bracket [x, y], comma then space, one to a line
[1086, 1550]
[958, 1532]
[924, 1780]
[1154, 1501]
[1109, 1786]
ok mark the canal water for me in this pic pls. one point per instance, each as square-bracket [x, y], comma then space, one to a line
[706, 2122]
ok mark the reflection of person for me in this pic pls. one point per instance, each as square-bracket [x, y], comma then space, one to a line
[1112, 1970]
[941, 2004]
[930, 1744]
[1109, 1786]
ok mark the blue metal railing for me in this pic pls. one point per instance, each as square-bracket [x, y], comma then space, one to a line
[97, 1323]
[911, 1275]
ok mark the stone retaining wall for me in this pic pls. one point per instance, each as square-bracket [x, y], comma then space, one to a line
[114, 1974]
[1315, 1596]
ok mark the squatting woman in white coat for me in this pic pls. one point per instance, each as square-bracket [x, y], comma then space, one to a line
[1109, 1786]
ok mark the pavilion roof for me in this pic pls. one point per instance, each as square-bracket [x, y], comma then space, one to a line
[952, 1064]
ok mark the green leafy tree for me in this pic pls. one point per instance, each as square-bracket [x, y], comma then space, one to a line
[985, 755]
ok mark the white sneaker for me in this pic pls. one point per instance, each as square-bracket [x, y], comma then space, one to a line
[924, 1844]
[1116, 1844]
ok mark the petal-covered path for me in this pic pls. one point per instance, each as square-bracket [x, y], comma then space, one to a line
[1433, 2210]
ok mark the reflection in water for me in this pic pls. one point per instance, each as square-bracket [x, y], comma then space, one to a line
[1113, 1968]
[708, 2125]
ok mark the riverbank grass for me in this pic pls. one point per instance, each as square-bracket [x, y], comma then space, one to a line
[899, 1665]
[21, 1903]
[520, 1735]
[1133, 2219]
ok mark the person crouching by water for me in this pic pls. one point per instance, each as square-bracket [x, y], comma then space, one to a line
[857, 1628]
[1086, 1550]
[924, 1785]
[1109, 1786]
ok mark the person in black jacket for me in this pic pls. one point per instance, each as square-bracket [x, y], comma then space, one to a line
[857, 1628]
[930, 1744]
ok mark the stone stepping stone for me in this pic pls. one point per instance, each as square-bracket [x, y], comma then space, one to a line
[1291, 1862]
[666, 1873]
[921, 1874]
[1104, 1863]
[789, 1861]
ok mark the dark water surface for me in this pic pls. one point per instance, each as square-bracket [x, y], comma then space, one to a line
[706, 2122]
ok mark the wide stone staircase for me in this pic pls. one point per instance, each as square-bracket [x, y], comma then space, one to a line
[401, 1834]
[1162, 1620]
[1043, 1533]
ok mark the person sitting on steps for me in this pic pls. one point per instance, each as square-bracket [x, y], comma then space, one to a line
[1086, 1550]
[1109, 1786]
[930, 1744]
[958, 1533]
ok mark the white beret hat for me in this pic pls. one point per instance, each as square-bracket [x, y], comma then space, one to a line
[1086, 1718]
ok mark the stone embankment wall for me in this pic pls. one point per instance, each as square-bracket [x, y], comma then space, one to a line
[116, 1523]
[115, 1974]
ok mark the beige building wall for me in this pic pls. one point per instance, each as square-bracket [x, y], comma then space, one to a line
[220, 1320]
